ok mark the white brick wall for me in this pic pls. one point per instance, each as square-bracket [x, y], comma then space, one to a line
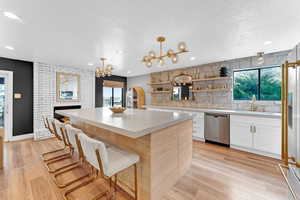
[45, 93]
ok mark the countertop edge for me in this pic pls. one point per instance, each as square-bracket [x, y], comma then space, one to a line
[233, 112]
[125, 132]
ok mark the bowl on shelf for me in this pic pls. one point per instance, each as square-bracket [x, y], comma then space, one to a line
[117, 109]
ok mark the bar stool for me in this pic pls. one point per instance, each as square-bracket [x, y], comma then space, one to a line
[71, 135]
[59, 129]
[48, 125]
[109, 161]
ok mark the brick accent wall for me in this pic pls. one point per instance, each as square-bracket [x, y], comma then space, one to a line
[45, 93]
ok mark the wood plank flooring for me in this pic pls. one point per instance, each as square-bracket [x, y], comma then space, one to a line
[216, 173]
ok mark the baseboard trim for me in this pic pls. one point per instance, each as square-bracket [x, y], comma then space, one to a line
[262, 153]
[198, 139]
[21, 137]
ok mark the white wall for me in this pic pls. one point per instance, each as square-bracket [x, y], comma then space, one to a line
[45, 92]
[141, 81]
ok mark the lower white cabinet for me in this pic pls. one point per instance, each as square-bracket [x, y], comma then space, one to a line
[256, 134]
[240, 133]
[198, 125]
[260, 135]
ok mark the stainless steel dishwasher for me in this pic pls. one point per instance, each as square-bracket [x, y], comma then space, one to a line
[217, 128]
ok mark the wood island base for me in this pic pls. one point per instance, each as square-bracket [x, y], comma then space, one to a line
[165, 156]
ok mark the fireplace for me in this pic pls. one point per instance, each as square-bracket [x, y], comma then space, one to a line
[60, 117]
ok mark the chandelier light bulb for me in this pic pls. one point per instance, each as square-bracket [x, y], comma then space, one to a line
[152, 54]
[182, 46]
[161, 62]
[109, 67]
[149, 64]
[146, 59]
[174, 59]
[170, 52]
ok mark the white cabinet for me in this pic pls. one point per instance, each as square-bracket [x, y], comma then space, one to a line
[240, 133]
[198, 125]
[267, 138]
[260, 135]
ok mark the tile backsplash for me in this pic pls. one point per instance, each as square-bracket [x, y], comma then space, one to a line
[222, 98]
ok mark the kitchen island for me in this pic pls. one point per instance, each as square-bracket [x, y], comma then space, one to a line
[163, 140]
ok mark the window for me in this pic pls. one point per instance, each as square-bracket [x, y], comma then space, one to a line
[264, 83]
[112, 96]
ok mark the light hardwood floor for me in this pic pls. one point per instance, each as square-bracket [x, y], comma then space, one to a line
[216, 173]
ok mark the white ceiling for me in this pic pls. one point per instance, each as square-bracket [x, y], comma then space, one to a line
[76, 32]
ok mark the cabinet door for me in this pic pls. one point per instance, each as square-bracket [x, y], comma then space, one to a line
[267, 138]
[240, 134]
[198, 125]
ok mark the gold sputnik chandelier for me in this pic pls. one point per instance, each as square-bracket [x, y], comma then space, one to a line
[104, 70]
[151, 57]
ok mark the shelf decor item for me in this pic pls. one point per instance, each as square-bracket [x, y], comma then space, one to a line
[104, 70]
[151, 57]
[223, 72]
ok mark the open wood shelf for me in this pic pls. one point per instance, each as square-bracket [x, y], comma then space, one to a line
[212, 79]
[212, 90]
[160, 92]
[160, 83]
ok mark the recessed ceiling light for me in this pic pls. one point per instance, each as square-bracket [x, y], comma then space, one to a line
[267, 42]
[192, 58]
[128, 72]
[11, 15]
[90, 64]
[9, 48]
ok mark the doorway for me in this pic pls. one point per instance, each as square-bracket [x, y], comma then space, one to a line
[6, 103]
[112, 97]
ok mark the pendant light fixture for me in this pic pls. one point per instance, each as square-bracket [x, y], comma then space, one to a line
[260, 58]
[104, 70]
[160, 59]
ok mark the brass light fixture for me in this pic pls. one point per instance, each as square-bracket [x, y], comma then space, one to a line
[104, 70]
[148, 60]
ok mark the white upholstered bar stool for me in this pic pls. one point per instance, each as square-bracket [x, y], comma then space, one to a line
[71, 135]
[59, 130]
[109, 161]
[48, 123]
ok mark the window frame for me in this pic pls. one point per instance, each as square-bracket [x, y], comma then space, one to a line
[113, 95]
[258, 98]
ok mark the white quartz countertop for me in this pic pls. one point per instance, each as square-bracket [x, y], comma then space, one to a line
[133, 123]
[224, 111]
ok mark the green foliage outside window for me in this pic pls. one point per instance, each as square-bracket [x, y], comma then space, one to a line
[264, 83]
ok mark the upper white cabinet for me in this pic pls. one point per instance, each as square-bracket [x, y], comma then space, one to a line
[256, 134]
